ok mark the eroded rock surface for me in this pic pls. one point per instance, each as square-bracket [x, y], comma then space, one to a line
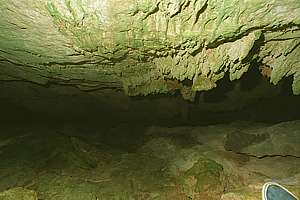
[18, 193]
[81, 163]
[278, 140]
[148, 47]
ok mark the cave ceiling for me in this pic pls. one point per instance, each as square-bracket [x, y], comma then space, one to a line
[147, 47]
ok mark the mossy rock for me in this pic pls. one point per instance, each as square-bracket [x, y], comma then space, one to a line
[18, 194]
[204, 180]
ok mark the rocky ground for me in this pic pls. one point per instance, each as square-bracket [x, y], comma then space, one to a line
[73, 162]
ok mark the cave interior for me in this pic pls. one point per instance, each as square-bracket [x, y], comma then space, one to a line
[148, 100]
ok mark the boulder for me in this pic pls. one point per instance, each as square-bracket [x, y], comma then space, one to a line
[282, 139]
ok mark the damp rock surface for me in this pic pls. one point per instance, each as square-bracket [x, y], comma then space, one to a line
[238, 140]
[279, 140]
[76, 162]
[148, 47]
[18, 193]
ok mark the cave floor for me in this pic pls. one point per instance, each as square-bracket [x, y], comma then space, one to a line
[80, 162]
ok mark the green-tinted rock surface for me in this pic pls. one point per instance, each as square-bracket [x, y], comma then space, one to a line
[148, 47]
[81, 162]
[18, 194]
[278, 140]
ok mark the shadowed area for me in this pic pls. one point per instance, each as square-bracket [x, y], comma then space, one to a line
[59, 142]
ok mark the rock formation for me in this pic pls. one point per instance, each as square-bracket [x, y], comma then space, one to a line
[148, 46]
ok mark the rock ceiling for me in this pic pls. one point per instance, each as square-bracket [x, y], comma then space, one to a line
[148, 46]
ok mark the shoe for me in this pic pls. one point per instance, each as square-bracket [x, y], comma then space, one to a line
[274, 191]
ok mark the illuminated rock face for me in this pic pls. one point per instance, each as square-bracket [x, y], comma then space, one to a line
[18, 193]
[148, 46]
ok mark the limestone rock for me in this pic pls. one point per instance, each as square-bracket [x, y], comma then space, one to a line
[148, 47]
[278, 140]
[283, 140]
[238, 140]
[18, 194]
[170, 163]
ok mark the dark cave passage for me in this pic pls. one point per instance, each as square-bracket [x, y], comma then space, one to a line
[115, 147]
[251, 98]
[102, 144]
